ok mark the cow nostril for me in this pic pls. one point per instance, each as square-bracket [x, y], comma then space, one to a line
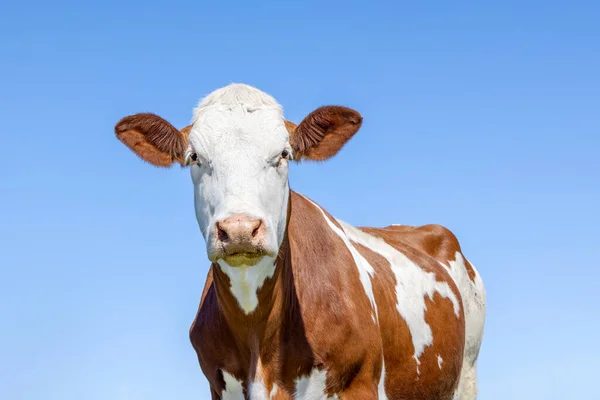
[256, 228]
[222, 234]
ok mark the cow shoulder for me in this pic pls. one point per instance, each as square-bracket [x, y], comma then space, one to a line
[337, 314]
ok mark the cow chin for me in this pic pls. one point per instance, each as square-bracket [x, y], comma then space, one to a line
[241, 258]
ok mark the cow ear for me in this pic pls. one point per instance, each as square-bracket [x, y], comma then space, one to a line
[153, 139]
[323, 132]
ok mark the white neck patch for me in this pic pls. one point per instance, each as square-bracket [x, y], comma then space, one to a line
[247, 281]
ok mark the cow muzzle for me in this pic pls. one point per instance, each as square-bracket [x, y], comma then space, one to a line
[240, 240]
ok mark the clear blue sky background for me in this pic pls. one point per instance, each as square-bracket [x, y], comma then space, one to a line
[484, 118]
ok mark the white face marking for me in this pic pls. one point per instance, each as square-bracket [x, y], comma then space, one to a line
[246, 281]
[238, 134]
[365, 270]
[412, 285]
[312, 387]
[233, 388]
[440, 361]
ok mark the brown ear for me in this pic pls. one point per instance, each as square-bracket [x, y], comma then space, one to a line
[323, 132]
[290, 126]
[153, 139]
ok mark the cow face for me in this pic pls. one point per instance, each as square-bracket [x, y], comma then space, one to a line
[238, 149]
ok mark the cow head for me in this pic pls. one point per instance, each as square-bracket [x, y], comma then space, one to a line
[238, 149]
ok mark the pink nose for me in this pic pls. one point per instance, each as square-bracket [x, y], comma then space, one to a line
[240, 234]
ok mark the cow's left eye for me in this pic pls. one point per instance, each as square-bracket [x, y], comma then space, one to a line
[285, 154]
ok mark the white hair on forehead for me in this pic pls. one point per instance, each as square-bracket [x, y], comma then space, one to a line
[246, 97]
[237, 116]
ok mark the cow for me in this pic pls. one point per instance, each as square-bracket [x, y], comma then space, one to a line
[298, 304]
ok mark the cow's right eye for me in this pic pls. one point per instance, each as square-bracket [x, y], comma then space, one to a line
[193, 158]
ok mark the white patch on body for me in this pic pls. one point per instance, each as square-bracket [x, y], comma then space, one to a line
[246, 281]
[258, 390]
[365, 270]
[234, 390]
[474, 303]
[474, 298]
[412, 285]
[312, 387]
[440, 360]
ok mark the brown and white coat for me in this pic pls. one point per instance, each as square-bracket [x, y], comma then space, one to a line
[298, 304]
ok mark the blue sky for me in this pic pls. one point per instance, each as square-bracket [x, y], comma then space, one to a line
[484, 118]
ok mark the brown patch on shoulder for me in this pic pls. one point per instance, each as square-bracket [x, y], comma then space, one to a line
[310, 203]
[207, 285]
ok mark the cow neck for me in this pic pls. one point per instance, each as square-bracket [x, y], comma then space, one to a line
[257, 328]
